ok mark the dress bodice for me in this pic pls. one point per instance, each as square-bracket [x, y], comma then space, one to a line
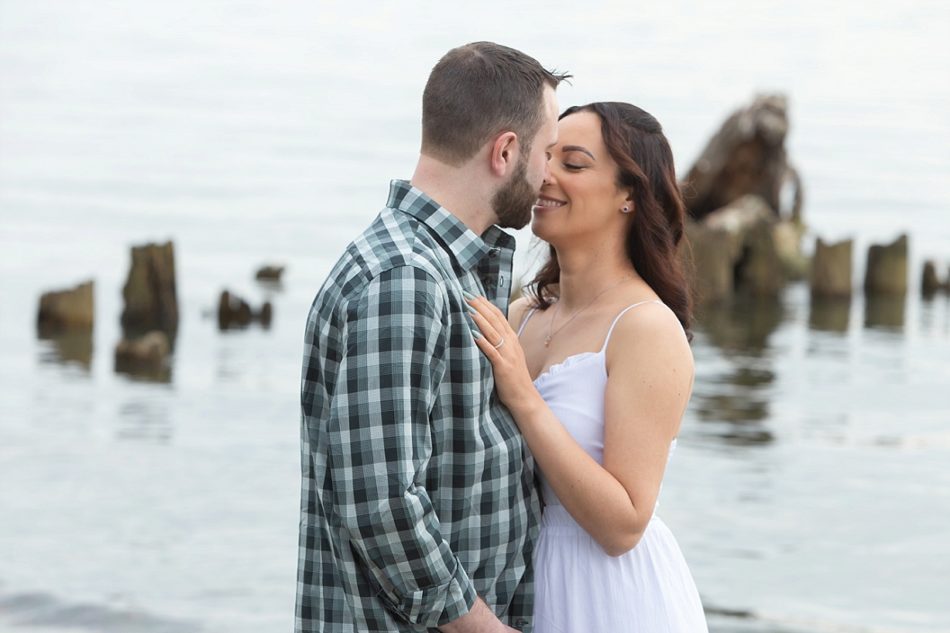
[574, 389]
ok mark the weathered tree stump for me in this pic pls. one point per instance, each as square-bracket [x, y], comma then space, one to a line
[831, 269]
[746, 156]
[63, 310]
[887, 268]
[146, 356]
[829, 313]
[736, 248]
[759, 268]
[151, 301]
[235, 312]
[793, 182]
[709, 258]
[788, 244]
[756, 264]
[884, 311]
[930, 282]
[70, 346]
[738, 217]
[266, 314]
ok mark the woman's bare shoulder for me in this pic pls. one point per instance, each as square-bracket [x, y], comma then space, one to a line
[517, 311]
[651, 331]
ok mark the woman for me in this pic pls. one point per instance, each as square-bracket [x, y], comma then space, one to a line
[602, 376]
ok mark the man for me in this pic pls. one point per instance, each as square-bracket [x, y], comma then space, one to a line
[419, 510]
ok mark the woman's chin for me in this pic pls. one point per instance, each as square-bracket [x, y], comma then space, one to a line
[537, 228]
[540, 226]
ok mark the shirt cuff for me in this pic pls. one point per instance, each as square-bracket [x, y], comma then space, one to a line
[434, 606]
[460, 597]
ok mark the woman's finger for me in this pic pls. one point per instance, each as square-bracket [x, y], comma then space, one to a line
[492, 353]
[486, 328]
[496, 311]
[489, 350]
[491, 313]
[495, 333]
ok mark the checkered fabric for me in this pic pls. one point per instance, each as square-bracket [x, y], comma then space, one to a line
[418, 491]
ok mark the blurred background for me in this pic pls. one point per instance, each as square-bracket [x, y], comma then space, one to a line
[811, 487]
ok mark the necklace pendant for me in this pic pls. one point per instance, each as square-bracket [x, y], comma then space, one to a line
[547, 341]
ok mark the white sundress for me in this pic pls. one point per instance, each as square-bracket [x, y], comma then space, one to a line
[579, 588]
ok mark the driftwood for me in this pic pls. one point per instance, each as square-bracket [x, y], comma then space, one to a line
[151, 301]
[63, 310]
[746, 156]
[269, 273]
[887, 268]
[235, 312]
[740, 185]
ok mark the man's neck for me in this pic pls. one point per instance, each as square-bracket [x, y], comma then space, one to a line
[458, 190]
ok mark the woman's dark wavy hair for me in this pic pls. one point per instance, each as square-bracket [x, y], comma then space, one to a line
[636, 142]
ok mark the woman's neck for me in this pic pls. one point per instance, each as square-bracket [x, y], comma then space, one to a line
[588, 272]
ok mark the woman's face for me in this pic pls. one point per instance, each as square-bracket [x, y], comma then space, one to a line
[580, 198]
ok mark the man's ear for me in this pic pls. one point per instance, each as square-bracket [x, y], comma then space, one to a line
[504, 153]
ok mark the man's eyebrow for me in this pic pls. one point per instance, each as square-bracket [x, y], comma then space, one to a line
[577, 148]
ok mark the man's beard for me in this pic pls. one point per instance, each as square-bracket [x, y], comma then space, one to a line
[512, 203]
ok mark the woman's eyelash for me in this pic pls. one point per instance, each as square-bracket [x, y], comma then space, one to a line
[572, 166]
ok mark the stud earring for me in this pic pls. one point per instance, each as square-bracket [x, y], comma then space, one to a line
[625, 210]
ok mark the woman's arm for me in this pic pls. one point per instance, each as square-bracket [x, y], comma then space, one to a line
[650, 373]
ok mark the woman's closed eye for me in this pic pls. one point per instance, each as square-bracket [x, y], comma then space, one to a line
[574, 167]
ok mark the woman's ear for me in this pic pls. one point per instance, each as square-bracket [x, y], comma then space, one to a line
[627, 204]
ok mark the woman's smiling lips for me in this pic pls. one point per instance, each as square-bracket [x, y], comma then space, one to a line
[545, 202]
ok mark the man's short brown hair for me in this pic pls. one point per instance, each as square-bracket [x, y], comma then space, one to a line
[479, 90]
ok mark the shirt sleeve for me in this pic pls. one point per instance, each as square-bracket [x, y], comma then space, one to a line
[520, 612]
[380, 446]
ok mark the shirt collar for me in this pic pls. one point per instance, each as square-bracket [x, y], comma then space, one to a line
[466, 247]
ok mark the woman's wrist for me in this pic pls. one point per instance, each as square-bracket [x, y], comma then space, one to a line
[525, 407]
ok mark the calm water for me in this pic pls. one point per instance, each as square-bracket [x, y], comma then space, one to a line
[811, 488]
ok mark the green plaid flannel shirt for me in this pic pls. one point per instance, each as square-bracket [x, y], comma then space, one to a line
[418, 492]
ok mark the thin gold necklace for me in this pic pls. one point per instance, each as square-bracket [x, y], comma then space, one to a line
[557, 308]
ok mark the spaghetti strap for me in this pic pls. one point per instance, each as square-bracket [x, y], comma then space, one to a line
[524, 321]
[623, 312]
